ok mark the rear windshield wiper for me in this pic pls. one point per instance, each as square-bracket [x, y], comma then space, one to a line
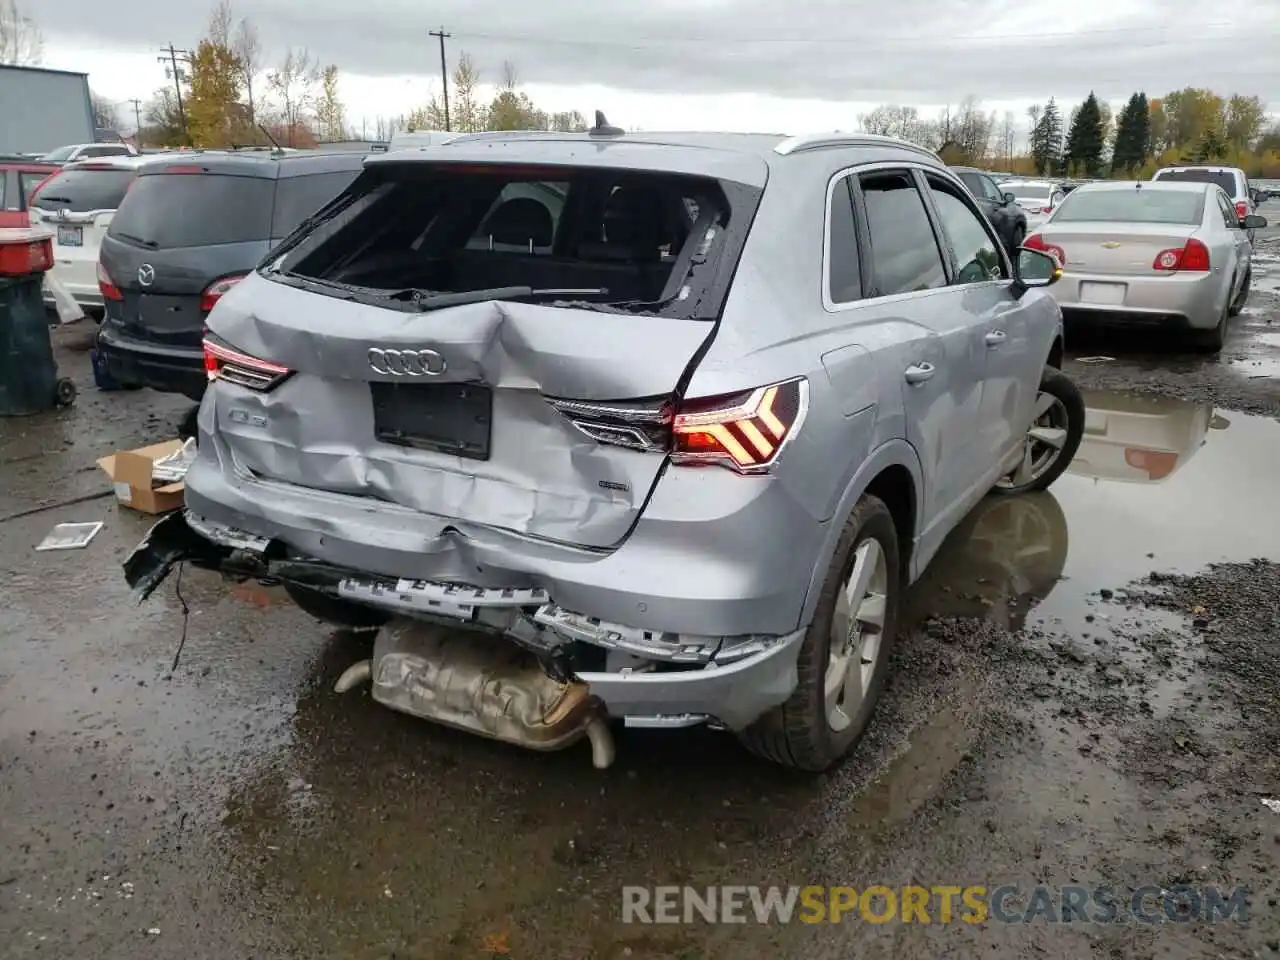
[426, 300]
[149, 244]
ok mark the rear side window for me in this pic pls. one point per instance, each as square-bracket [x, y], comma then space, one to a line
[29, 182]
[977, 256]
[194, 210]
[80, 190]
[299, 197]
[843, 272]
[904, 251]
[1147, 205]
[1226, 179]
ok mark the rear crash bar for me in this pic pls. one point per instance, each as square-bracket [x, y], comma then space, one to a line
[728, 681]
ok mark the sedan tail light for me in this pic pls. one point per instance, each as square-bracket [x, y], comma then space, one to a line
[1194, 256]
[107, 286]
[1036, 242]
[223, 362]
[743, 431]
[214, 292]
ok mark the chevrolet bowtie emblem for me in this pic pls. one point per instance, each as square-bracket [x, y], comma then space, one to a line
[1111, 244]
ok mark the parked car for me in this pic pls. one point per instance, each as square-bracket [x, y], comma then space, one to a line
[1037, 198]
[190, 229]
[88, 151]
[1000, 206]
[683, 441]
[1233, 181]
[1169, 254]
[19, 177]
[1141, 438]
[78, 202]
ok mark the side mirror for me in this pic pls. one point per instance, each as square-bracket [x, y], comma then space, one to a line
[1253, 222]
[1009, 197]
[1034, 268]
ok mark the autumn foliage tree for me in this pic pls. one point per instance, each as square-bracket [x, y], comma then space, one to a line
[213, 95]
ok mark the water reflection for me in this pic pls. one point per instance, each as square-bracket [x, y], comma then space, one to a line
[1140, 438]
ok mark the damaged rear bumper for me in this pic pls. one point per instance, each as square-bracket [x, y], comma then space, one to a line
[648, 679]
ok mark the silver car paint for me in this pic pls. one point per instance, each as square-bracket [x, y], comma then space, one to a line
[711, 553]
[1200, 298]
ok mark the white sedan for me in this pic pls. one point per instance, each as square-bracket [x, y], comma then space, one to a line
[1037, 198]
[1173, 256]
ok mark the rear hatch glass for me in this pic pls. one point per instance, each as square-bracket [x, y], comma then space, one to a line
[533, 325]
[1226, 179]
[194, 210]
[84, 190]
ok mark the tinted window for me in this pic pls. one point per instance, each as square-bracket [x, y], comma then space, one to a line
[81, 190]
[194, 210]
[299, 197]
[843, 276]
[1146, 205]
[1226, 179]
[1229, 217]
[990, 190]
[1028, 191]
[904, 252]
[973, 182]
[106, 151]
[977, 258]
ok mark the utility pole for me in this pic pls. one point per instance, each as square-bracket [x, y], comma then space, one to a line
[176, 72]
[137, 119]
[444, 73]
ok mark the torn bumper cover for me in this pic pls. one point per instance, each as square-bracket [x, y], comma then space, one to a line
[650, 679]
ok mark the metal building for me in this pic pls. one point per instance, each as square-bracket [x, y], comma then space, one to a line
[42, 109]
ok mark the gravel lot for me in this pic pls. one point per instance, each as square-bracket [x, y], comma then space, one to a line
[1087, 695]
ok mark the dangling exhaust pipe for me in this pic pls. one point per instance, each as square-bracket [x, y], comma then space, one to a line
[354, 676]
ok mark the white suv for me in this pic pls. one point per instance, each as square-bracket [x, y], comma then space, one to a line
[1231, 179]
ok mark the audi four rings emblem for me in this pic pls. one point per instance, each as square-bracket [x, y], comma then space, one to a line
[146, 274]
[407, 363]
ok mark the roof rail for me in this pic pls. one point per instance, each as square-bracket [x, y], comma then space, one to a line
[815, 141]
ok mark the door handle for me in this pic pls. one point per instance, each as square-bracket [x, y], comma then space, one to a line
[996, 337]
[920, 372]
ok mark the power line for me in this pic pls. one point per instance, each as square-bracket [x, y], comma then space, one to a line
[176, 72]
[137, 119]
[444, 72]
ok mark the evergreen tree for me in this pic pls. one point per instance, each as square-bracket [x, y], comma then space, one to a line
[1046, 139]
[1123, 149]
[1142, 145]
[1084, 141]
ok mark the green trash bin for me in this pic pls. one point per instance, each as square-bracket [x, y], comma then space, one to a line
[29, 381]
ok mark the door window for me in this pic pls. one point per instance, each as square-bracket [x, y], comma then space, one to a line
[977, 253]
[844, 278]
[991, 191]
[904, 252]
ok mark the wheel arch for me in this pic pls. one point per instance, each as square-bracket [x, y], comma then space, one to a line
[1056, 352]
[892, 473]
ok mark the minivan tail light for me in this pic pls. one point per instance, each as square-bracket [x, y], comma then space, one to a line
[1242, 209]
[1194, 256]
[107, 286]
[223, 362]
[745, 431]
[214, 292]
[1036, 242]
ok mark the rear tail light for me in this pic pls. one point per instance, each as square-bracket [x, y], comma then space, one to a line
[1192, 257]
[215, 291]
[742, 431]
[222, 362]
[1036, 242]
[1242, 209]
[1157, 464]
[107, 286]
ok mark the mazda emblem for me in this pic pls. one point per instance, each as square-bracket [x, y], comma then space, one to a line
[406, 363]
[146, 275]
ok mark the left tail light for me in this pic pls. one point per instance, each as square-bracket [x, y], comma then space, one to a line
[107, 286]
[224, 362]
[744, 431]
[215, 291]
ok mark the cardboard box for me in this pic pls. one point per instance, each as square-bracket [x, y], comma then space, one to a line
[130, 473]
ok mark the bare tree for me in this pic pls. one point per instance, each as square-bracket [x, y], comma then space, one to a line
[105, 115]
[219, 30]
[293, 82]
[1008, 137]
[248, 50]
[21, 42]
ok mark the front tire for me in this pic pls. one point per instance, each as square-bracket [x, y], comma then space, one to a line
[844, 655]
[1052, 438]
[1019, 235]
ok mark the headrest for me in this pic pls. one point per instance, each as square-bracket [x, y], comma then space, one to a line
[521, 221]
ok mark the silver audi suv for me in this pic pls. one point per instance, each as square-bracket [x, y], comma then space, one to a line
[667, 423]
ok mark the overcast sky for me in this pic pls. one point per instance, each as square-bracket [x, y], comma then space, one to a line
[760, 65]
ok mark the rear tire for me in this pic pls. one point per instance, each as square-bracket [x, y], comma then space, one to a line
[331, 610]
[1211, 341]
[801, 732]
[1238, 306]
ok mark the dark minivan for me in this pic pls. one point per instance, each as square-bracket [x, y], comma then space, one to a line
[185, 234]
